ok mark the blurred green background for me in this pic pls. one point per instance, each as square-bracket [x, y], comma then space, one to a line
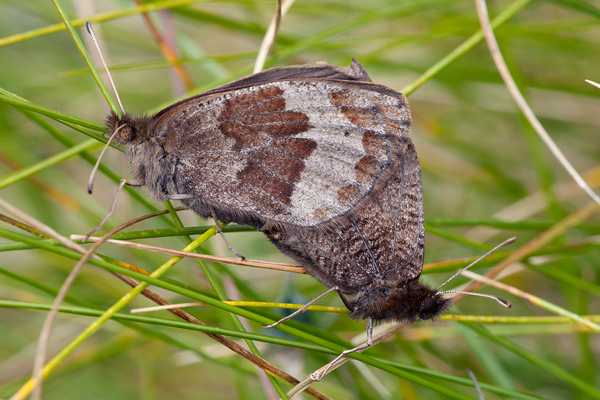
[486, 177]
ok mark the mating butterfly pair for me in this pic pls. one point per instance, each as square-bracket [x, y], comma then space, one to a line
[317, 157]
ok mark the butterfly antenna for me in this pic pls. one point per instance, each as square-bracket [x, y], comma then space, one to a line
[500, 300]
[88, 25]
[593, 83]
[97, 165]
[505, 243]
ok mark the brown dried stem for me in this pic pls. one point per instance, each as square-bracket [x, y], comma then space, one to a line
[513, 89]
[226, 260]
[230, 344]
[271, 34]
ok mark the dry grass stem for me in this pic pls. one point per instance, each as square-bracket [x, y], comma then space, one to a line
[226, 260]
[230, 344]
[512, 87]
[271, 34]
[538, 242]
[168, 50]
[519, 293]
[44, 338]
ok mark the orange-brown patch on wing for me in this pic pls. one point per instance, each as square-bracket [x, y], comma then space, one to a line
[301, 148]
[244, 136]
[320, 214]
[366, 170]
[375, 144]
[267, 104]
[255, 175]
[348, 195]
[362, 117]
[240, 103]
[247, 116]
[342, 99]
[278, 164]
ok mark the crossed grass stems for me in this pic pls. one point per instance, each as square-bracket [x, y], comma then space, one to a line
[533, 245]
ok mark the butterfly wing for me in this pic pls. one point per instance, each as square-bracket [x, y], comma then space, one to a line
[320, 70]
[382, 240]
[284, 153]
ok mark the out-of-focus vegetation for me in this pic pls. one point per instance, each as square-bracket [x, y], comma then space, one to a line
[486, 177]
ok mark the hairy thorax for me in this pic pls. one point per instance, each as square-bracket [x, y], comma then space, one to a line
[151, 164]
[149, 160]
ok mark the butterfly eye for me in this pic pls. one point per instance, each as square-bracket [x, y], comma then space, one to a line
[127, 133]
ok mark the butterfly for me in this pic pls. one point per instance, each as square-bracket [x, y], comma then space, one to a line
[289, 148]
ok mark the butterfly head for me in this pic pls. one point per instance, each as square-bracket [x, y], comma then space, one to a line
[410, 301]
[128, 129]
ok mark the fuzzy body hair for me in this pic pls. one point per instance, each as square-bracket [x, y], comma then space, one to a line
[409, 302]
[146, 155]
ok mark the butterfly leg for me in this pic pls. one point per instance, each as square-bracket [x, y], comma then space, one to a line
[179, 196]
[303, 308]
[114, 202]
[218, 226]
[318, 375]
[346, 302]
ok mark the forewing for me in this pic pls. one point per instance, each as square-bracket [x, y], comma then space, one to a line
[383, 239]
[320, 70]
[297, 152]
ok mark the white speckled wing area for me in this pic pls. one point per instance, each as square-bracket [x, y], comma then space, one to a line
[297, 152]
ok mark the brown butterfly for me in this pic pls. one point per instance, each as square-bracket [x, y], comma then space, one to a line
[288, 148]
